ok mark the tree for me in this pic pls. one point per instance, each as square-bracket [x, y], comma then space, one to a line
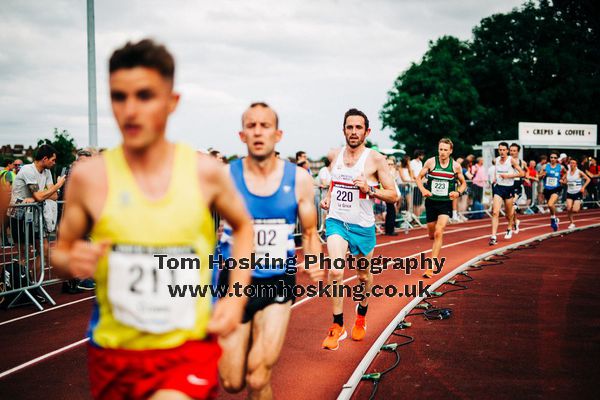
[536, 63]
[65, 149]
[434, 99]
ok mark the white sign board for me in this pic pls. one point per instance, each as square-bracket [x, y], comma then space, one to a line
[540, 133]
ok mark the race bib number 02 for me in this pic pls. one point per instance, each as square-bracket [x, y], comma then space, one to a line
[271, 236]
[439, 188]
[552, 181]
[138, 292]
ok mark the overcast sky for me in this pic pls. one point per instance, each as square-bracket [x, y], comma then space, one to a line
[310, 59]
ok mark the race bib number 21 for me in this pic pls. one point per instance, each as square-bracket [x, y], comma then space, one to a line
[138, 292]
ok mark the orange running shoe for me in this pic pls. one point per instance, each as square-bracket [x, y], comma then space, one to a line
[428, 273]
[359, 330]
[334, 336]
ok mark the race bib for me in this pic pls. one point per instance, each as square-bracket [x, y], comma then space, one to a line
[440, 188]
[573, 185]
[271, 236]
[346, 197]
[138, 289]
[551, 181]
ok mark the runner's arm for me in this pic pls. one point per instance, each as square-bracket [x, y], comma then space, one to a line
[230, 206]
[228, 311]
[307, 213]
[516, 165]
[389, 193]
[73, 256]
[419, 180]
[461, 179]
[587, 180]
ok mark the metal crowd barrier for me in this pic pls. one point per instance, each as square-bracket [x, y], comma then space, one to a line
[23, 259]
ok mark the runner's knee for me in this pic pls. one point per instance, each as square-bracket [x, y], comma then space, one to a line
[232, 385]
[258, 378]
[438, 234]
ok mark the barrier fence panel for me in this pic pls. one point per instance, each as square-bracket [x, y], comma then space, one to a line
[23, 258]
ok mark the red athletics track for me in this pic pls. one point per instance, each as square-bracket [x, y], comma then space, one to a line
[538, 314]
[43, 354]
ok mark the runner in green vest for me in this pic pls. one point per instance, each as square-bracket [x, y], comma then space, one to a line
[441, 190]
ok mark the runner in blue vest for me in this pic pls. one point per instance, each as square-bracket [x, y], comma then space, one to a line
[551, 175]
[276, 193]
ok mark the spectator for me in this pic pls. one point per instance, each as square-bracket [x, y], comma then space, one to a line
[390, 215]
[479, 180]
[217, 154]
[7, 175]
[530, 178]
[33, 184]
[18, 163]
[416, 165]
[301, 156]
[324, 176]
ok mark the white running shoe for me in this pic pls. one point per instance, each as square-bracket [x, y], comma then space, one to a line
[517, 226]
[572, 226]
[508, 234]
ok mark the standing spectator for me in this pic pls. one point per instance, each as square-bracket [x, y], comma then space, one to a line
[301, 156]
[324, 176]
[416, 165]
[33, 184]
[479, 180]
[390, 215]
[217, 154]
[406, 178]
[592, 172]
[18, 163]
[531, 176]
[463, 201]
[7, 175]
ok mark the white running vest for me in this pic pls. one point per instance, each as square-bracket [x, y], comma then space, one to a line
[348, 204]
[504, 168]
[574, 182]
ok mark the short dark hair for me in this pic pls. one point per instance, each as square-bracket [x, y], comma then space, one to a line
[7, 162]
[554, 152]
[418, 152]
[45, 150]
[354, 111]
[145, 53]
[300, 153]
[326, 161]
[264, 105]
[214, 153]
[503, 144]
[518, 146]
[302, 163]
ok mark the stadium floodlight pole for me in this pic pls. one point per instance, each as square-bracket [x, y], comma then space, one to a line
[91, 53]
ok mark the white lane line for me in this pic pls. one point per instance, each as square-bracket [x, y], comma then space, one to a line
[41, 358]
[350, 386]
[484, 223]
[80, 342]
[46, 310]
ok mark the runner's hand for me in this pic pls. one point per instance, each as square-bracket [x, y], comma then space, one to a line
[361, 182]
[84, 256]
[427, 193]
[453, 195]
[226, 316]
[325, 203]
[504, 176]
[314, 272]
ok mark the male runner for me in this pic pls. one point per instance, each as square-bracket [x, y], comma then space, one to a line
[442, 172]
[146, 197]
[502, 189]
[518, 184]
[573, 179]
[276, 192]
[552, 174]
[350, 224]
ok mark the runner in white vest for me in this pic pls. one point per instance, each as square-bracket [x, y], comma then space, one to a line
[350, 224]
[574, 179]
[506, 170]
